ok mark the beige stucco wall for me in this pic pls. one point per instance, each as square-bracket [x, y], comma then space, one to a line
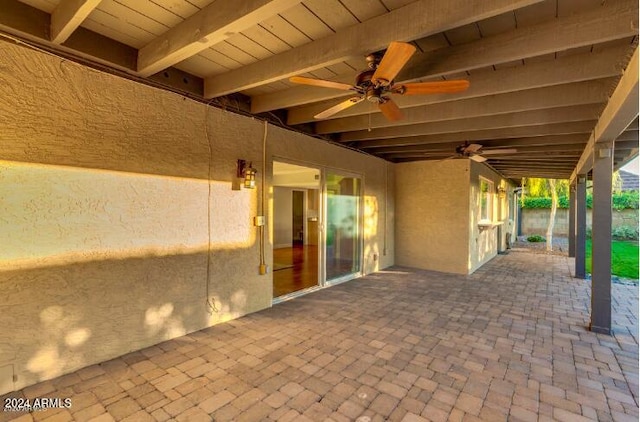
[485, 242]
[105, 214]
[432, 215]
[437, 216]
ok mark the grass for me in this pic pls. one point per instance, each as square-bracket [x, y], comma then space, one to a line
[624, 258]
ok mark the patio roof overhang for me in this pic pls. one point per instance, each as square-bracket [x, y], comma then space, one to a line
[541, 71]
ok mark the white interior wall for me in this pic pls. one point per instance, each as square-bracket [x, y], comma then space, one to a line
[282, 217]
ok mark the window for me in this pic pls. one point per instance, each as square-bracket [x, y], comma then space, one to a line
[486, 200]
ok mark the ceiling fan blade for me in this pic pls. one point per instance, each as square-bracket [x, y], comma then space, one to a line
[320, 82]
[397, 55]
[472, 148]
[499, 151]
[478, 158]
[338, 107]
[441, 87]
[390, 110]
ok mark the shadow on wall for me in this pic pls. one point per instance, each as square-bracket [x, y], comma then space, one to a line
[59, 319]
[96, 264]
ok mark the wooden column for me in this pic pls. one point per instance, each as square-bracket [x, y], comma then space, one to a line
[572, 220]
[601, 239]
[581, 225]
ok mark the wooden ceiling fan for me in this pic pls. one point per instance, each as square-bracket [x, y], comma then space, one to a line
[476, 153]
[374, 83]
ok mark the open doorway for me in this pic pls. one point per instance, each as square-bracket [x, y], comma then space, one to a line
[296, 212]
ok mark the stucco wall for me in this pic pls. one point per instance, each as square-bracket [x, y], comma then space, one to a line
[485, 242]
[109, 225]
[432, 215]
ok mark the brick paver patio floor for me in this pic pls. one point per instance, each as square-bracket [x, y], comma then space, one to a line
[508, 342]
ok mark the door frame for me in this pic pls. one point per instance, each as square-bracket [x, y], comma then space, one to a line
[319, 283]
[322, 233]
[360, 225]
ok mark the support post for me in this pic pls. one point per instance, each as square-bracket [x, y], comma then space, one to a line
[601, 240]
[581, 224]
[572, 221]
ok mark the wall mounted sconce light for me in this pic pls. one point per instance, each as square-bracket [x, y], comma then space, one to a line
[248, 173]
[502, 192]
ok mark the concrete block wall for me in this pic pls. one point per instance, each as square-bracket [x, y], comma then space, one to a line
[432, 218]
[535, 221]
[118, 219]
[437, 216]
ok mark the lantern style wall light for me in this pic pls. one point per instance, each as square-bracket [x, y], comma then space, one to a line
[248, 173]
[502, 192]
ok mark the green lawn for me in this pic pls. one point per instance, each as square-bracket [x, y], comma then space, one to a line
[624, 258]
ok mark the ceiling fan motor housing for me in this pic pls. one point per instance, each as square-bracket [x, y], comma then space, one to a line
[372, 91]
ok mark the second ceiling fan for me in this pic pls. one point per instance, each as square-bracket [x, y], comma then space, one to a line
[376, 82]
[476, 152]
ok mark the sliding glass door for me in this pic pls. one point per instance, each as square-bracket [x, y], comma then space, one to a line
[343, 228]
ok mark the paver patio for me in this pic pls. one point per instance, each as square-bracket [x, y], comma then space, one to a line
[508, 342]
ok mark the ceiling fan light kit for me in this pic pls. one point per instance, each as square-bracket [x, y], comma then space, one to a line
[377, 81]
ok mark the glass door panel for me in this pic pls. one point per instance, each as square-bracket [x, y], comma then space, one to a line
[342, 226]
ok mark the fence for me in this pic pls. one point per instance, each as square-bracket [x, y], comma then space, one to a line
[536, 220]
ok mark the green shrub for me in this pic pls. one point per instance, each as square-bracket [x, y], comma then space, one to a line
[620, 201]
[625, 200]
[625, 233]
[536, 238]
[536, 202]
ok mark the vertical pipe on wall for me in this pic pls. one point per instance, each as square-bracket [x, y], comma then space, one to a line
[572, 221]
[581, 225]
[262, 268]
[601, 240]
[386, 195]
[210, 303]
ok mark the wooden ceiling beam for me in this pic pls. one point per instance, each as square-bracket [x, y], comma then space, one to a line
[451, 149]
[628, 135]
[559, 157]
[564, 70]
[506, 120]
[537, 174]
[502, 143]
[562, 128]
[415, 20]
[559, 160]
[33, 25]
[579, 93]
[620, 113]
[625, 145]
[611, 21]
[68, 16]
[209, 26]
[565, 165]
[442, 154]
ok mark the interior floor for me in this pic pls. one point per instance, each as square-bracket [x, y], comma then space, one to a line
[294, 269]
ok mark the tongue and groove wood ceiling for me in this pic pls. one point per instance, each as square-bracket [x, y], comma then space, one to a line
[541, 72]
